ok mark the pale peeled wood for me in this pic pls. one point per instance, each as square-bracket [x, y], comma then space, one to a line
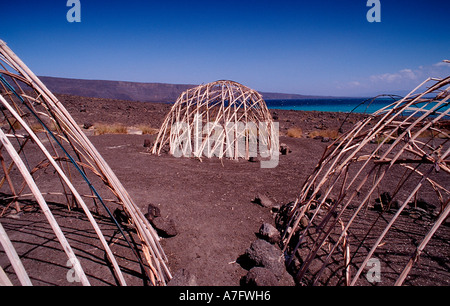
[14, 259]
[405, 119]
[75, 137]
[221, 104]
[43, 204]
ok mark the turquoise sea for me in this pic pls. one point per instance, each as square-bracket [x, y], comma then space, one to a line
[358, 105]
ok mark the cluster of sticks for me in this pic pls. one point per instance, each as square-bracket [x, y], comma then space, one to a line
[409, 138]
[222, 107]
[34, 115]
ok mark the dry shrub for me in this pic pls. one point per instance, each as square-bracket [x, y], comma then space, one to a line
[147, 130]
[434, 134]
[116, 128]
[36, 127]
[332, 134]
[11, 122]
[295, 132]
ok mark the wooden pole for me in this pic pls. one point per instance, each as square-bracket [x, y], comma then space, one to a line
[45, 209]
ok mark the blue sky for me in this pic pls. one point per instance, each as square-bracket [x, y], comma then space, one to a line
[305, 47]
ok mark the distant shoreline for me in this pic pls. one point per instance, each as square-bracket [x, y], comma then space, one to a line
[169, 93]
[337, 105]
[143, 92]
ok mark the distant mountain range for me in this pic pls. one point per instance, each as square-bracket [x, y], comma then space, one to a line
[134, 91]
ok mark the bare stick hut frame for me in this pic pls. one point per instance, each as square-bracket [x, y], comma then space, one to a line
[354, 204]
[38, 134]
[231, 115]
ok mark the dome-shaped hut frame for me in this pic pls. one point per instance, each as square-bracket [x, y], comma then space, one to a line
[47, 160]
[223, 119]
[363, 202]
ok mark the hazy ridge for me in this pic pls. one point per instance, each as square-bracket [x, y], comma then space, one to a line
[134, 91]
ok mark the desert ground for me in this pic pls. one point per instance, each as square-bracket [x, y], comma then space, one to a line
[210, 201]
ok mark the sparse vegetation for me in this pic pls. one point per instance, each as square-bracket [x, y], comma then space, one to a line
[36, 127]
[330, 133]
[295, 132]
[443, 134]
[147, 130]
[382, 138]
[117, 128]
[11, 122]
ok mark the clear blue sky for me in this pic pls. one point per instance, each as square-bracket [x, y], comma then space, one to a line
[305, 47]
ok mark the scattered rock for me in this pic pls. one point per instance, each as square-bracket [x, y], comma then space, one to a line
[421, 203]
[284, 149]
[283, 215]
[294, 266]
[259, 276]
[384, 201]
[14, 215]
[276, 208]
[147, 143]
[304, 221]
[316, 211]
[321, 126]
[264, 201]
[164, 227]
[120, 216]
[153, 211]
[183, 278]
[253, 159]
[416, 213]
[326, 139]
[86, 126]
[311, 191]
[263, 254]
[269, 233]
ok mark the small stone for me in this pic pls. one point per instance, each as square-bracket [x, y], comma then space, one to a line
[304, 221]
[147, 143]
[421, 203]
[276, 208]
[86, 126]
[264, 201]
[153, 211]
[269, 233]
[120, 216]
[284, 149]
[164, 227]
[384, 201]
[183, 278]
[264, 254]
[415, 213]
[259, 276]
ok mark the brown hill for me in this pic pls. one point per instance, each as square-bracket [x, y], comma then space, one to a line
[133, 91]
